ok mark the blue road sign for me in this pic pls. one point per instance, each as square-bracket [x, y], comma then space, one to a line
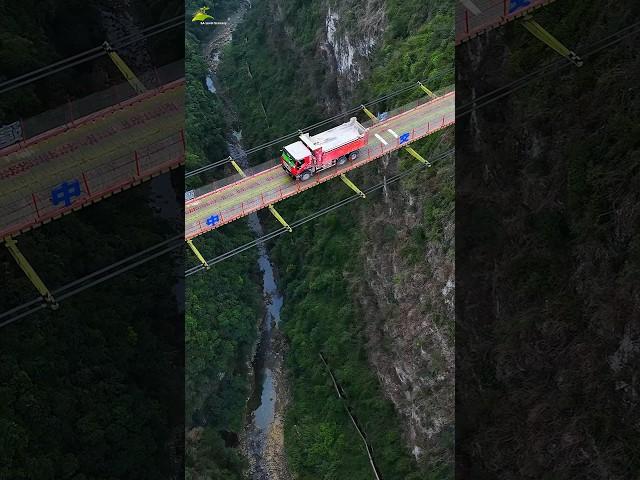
[212, 220]
[65, 192]
[515, 5]
[404, 138]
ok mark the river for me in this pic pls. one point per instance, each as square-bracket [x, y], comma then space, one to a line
[262, 440]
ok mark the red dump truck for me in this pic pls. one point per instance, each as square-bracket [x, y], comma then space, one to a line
[312, 154]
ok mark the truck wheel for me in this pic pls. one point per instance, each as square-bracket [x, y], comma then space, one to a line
[353, 156]
[305, 176]
[342, 160]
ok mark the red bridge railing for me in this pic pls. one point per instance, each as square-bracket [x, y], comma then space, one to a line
[474, 17]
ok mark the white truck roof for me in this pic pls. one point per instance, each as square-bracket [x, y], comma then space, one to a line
[298, 150]
[335, 137]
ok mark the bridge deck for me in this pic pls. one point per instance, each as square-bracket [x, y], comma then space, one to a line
[272, 184]
[91, 158]
[474, 17]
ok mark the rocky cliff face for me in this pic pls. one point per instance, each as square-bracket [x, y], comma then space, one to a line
[346, 34]
[408, 302]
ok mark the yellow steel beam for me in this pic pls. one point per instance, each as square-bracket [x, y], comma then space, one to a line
[426, 90]
[237, 167]
[124, 69]
[197, 253]
[280, 219]
[369, 114]
[352, 185]
[544, 36]
[31, 274]
[417, 156]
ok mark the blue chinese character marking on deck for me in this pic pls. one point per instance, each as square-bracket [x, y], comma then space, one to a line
[515, 5]
[212, 220]
[65, 192]
[404, 138]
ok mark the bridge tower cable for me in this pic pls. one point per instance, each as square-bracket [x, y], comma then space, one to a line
[352, 185]
[547, 38]
[198, 255]
[128, 74]
[426, 90]
[31, 274]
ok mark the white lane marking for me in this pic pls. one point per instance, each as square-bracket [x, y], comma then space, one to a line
[471, 6]
[381, 139]
[395, 135]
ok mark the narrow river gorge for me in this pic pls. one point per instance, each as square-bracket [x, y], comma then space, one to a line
[262, 439]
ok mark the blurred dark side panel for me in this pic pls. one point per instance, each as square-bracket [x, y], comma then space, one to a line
[548, 248]
[91, 265]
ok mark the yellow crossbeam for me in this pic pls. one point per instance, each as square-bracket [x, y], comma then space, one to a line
[237, 167]
[31, 274]
[124, 69]
[417, 156]
[279, 218]
[544, 36]
[197, 253]
[369, 114]
[352, 185]
[426, 90]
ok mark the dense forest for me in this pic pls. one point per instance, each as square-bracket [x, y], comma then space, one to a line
[223, 305]
[549, 260]
[320, 262]
[93, 390]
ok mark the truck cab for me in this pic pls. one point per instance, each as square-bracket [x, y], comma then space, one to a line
[296, 158]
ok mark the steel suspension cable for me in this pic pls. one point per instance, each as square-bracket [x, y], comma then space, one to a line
[88, 55]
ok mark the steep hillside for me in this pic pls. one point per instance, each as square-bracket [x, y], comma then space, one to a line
[369, 285]
[549, 225]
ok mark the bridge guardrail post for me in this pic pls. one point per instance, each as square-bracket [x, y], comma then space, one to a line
[86, 183]
[35, 205]
[135, 156]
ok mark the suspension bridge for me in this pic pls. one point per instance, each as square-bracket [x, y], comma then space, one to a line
[260, 187]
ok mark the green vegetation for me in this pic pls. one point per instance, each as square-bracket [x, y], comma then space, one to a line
[277, 89]
[223, 307]
[223, 304]
[93, 390]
